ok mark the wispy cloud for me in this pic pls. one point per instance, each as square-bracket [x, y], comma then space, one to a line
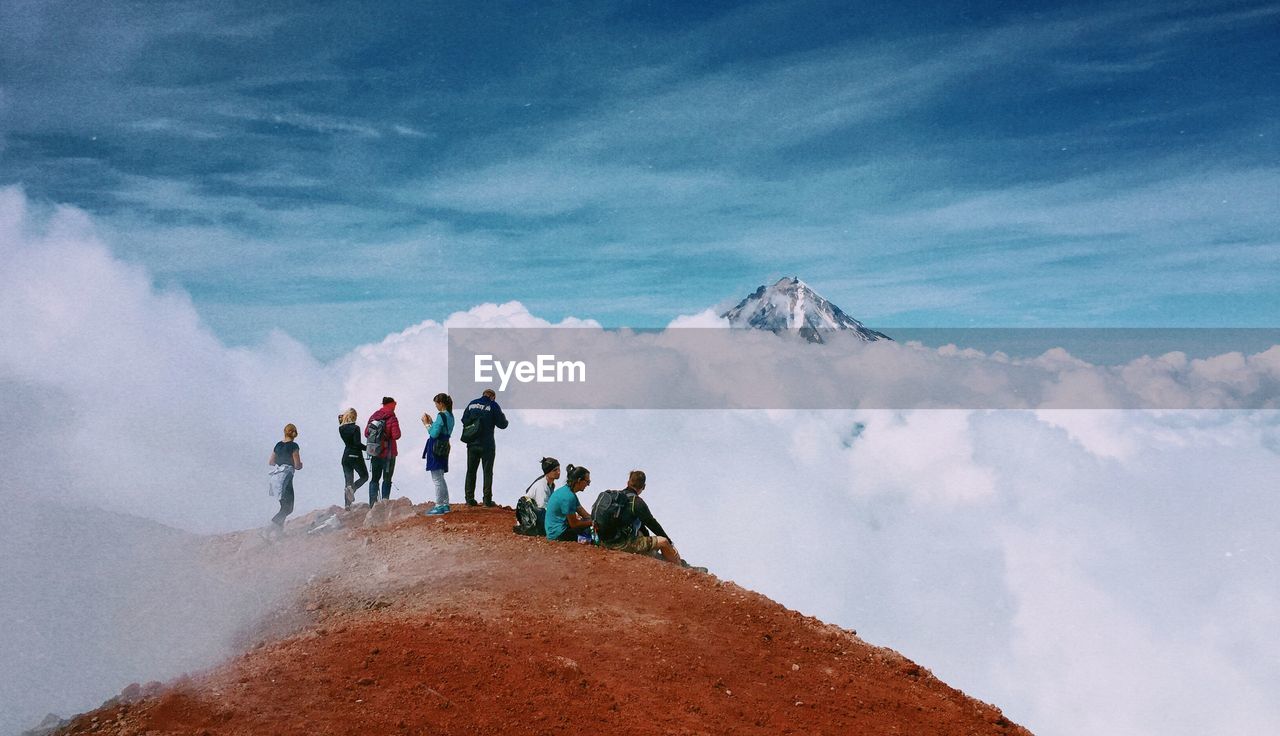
[1068, 550]
[176, 127]
[968, 164]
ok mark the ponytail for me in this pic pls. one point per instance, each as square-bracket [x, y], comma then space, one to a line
[576, 473]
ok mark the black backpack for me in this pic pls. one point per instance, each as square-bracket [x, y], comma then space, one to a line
[441, 448]
[528, 522]
[614, 514]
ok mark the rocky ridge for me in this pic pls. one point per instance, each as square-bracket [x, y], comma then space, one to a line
[451, 625]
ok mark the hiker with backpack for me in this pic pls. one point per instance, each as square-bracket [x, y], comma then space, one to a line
[566, 518]
[354, 470]
[437, 450]
[531, 509]
[285, 459]
[380, 434]
[624, 522]
[479, 420]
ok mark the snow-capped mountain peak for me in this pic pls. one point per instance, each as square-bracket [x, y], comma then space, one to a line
[790, 305]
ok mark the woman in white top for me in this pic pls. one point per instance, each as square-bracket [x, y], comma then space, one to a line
[541, 490]
[531, 509]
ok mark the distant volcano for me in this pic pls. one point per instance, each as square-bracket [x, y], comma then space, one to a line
[791, 306]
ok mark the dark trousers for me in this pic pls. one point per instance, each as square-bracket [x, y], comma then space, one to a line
[570, 535]
[352, 467]
[286, 504]
[384, 468]
[477, 456]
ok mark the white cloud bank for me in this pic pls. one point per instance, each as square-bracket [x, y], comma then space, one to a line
[1089, 572]
[717, 368]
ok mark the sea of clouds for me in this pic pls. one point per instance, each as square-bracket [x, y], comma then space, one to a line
[1087, 571]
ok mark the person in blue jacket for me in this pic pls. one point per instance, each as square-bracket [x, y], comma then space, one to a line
[481, 449]
[439, 430]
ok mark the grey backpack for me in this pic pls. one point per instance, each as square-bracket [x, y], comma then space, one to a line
[373, 445]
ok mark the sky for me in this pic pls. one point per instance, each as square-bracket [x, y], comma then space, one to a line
[216, 219]
[341, 170]
[1108, 571]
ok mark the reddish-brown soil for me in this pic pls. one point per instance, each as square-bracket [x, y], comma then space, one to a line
[454, 625]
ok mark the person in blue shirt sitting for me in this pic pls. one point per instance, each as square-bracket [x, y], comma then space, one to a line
[566, 518]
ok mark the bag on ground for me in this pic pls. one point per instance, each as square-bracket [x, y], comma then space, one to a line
[529, 522]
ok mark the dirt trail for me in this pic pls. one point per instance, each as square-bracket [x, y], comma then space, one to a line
[454, 625]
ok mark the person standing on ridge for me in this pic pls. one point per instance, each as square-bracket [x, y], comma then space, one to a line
[381, 432]
[354, 470]
[285, 459]
[438, 432]
[478, 422]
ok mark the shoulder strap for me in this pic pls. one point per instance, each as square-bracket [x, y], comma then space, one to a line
[534, 483]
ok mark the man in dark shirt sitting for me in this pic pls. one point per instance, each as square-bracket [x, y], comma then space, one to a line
[642, 535]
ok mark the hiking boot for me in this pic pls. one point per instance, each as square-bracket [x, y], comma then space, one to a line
[348, 495]
[437, 510]
[489, 504]
[472, 502]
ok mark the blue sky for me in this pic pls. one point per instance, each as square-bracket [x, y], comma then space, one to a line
[342, 170]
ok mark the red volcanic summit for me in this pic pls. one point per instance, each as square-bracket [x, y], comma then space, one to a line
[454, 625]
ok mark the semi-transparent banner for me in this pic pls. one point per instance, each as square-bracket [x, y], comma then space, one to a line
[718, 368]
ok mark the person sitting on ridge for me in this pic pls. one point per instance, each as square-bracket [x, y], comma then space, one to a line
[531, 508]
[566, 518]
[624, 522]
